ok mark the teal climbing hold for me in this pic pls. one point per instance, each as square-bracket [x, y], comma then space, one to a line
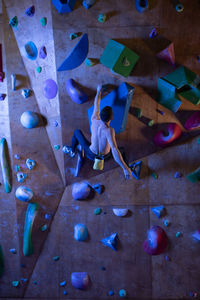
[44, 227]
[15, 283]
[56, 258]
[72, 36]
[98, 211]
[101, 18]
[194, 176]
[56, 147]
[13, 21]
[43, 21]
[29, 220]
[39, 69]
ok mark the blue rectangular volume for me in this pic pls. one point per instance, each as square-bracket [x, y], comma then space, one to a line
[120, 101]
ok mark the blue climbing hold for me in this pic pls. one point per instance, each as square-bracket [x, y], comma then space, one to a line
[136, 169]
[77, 56]
[30, 11]
[80, 232]
[64, 6]
[110, 293]
[31, 50]
[141, 5]
[159, 211]
[111, 241]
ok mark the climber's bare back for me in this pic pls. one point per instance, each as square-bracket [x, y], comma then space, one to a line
[101, 134]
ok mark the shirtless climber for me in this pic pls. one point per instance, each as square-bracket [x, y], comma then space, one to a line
[102, 138]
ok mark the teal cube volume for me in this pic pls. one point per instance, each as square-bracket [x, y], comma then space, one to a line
[119, 58]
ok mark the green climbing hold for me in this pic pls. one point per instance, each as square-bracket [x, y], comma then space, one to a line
[1, 262]
[56, 147]
[43, 21]
[4, 160]
[150, 123]
[194, 176]
[98, 211]
[15, 283]
[39, 69]
[138, 113]
[154, 175]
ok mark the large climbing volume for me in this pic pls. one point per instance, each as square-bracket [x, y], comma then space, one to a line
[1, 65]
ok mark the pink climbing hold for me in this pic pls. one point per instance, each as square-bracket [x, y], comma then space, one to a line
[193, 122]
[167, 54]
[156, 241]
[173, 132]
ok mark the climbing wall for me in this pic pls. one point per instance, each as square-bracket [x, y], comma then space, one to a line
[30, 29]
[46, 273]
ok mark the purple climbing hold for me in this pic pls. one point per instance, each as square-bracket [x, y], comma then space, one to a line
[153, 33]
[43, 52]
[193, 122]
[75, 93]
[50, 89]
[30, 11]
[80, 280]
[196, 235]
[81, 191]
[2, 96]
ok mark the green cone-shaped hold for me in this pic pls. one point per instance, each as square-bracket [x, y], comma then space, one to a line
[4, 159]
[30, 216]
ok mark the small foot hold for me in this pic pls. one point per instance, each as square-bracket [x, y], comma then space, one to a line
[68, 150]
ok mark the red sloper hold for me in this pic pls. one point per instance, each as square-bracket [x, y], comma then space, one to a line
[168, 54]
[193, 122]
[174, 132]
[156, 241]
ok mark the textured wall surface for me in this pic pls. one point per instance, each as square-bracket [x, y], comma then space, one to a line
[130, 268]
